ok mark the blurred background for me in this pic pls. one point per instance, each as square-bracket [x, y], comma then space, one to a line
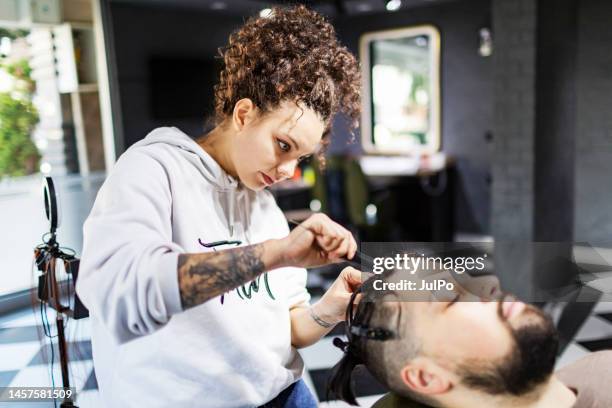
[483, 120]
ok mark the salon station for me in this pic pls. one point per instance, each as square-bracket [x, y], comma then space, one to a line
[481, 121]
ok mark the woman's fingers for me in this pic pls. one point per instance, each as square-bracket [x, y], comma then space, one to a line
[349, 246]
[353, 248]
[352, 278]
[325, 233]
[320, 224]
[330, 242]
[334, 239]
[352, 245]
[341, 249]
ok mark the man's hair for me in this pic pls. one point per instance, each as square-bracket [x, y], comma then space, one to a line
[290, 55]
[379, 336]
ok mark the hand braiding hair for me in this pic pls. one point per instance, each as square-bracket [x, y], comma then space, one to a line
[357, 332]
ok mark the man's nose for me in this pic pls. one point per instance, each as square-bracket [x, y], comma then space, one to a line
[286, 169]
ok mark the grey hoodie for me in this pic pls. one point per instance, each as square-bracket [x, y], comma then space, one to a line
[166, 196]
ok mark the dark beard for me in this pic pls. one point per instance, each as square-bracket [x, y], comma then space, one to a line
[529, 364]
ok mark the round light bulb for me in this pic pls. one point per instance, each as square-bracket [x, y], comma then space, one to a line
[267, 12]
[393, 5]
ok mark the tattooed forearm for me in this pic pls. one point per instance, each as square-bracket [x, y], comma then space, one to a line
[207, 275]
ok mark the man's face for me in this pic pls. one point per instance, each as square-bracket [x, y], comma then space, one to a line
[269, 147]
[488, 345]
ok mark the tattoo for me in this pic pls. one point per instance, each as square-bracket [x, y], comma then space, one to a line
[207, 275]
[318, 320]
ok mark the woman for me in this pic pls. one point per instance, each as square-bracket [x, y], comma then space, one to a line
[195, 287]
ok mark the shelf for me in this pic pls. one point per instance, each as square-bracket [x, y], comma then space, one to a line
[83, 88]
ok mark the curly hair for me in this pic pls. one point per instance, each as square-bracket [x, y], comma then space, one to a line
[290, 55]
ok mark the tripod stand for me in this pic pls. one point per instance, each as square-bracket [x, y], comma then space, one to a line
[46, 255]
[49, 293]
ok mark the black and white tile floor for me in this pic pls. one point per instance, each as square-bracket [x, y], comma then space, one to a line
[23, 359]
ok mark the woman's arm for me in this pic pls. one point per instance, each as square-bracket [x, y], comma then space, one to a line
[309, 324]
[317, 241]
[204, 276]
[306, 329]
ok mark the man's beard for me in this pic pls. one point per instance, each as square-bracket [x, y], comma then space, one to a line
[529, 364]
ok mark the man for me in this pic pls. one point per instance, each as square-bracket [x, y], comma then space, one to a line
[454, 352]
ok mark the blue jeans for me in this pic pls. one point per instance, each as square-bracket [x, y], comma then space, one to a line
[297, 395]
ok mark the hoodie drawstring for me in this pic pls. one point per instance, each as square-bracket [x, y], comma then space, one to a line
[231, 206]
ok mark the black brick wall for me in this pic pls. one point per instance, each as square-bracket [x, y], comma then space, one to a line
[514, 59]
[593, 219]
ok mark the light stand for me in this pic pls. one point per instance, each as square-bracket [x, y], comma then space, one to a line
[46, 256]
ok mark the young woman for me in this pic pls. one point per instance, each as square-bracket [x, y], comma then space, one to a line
[195, 286]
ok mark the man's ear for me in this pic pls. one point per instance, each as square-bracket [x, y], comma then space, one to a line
[244, 112]
[425, 377]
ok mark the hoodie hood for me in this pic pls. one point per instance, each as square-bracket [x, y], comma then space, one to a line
[233, 196]
[196, 155]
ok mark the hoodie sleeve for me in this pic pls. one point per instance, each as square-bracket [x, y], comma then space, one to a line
[128, 274]
[297, 295]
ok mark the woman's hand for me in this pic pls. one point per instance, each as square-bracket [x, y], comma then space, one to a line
[317, 241]
[332, 306]
[309, 324]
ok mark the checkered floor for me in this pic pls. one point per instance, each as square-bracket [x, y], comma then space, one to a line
[23, 359]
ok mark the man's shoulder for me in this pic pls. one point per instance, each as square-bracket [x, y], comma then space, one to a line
[590, 378]
[599, 358]
[594, 364]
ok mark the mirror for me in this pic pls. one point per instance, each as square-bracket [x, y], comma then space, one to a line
[401, 95]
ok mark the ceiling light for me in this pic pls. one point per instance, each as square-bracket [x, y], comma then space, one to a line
[485, 48]
[267, 12]
[218, 5]
[393, 5]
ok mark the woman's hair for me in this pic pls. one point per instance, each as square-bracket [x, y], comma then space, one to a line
[290, 55]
